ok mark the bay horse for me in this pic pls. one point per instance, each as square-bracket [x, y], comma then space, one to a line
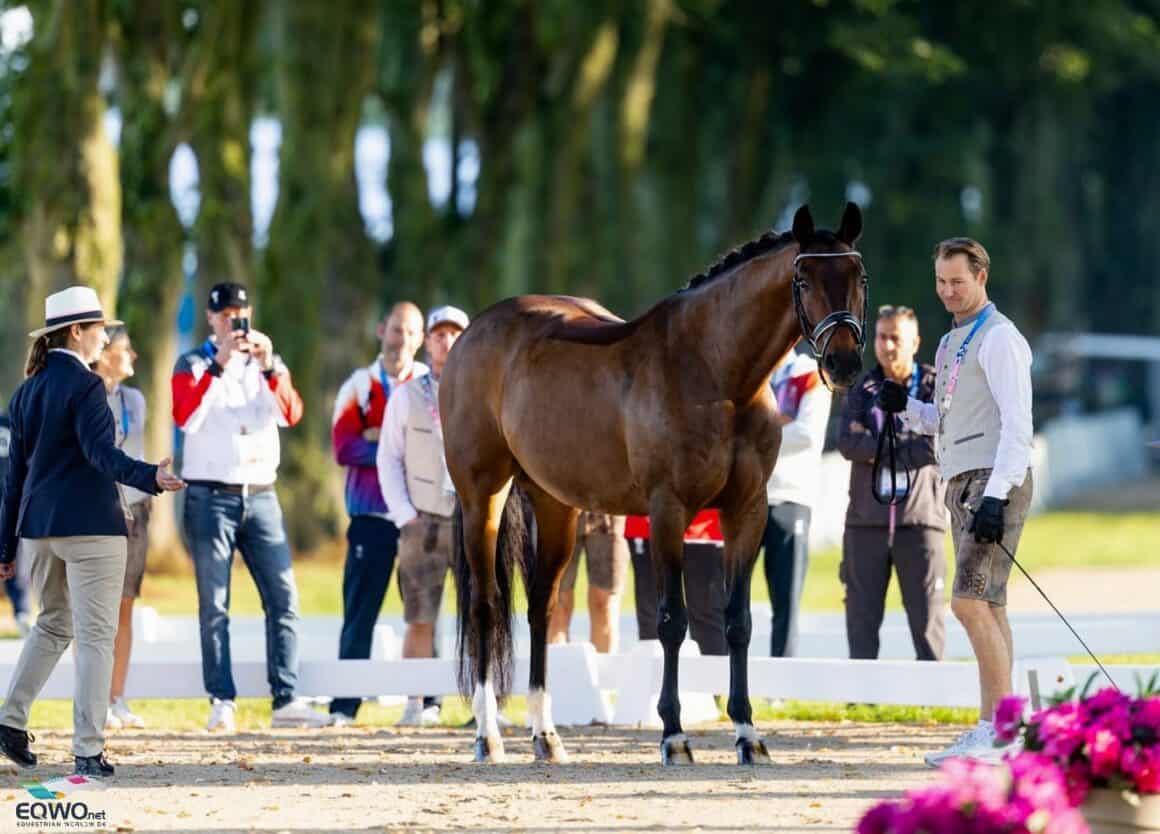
[660, 416]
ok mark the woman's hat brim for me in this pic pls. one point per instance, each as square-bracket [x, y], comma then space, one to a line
[36, 334]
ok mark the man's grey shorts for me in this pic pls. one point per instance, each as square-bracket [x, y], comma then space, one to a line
[982, 570]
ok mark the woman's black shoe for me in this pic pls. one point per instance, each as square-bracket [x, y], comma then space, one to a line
[97, 766]
[14, 745]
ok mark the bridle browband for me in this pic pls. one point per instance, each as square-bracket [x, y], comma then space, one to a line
[819, 336]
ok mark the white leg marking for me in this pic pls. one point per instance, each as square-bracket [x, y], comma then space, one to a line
[486, 711]
[746, 731]
[540, 712]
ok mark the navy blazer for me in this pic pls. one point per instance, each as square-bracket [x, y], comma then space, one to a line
[64, 464]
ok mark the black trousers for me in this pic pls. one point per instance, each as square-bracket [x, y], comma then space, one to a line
[918, 558]
[372, 544]
[787, 555]
[704, 569]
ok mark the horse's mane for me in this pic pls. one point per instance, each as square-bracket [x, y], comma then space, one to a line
[768, 242]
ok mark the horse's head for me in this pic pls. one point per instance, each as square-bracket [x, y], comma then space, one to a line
[829, 284]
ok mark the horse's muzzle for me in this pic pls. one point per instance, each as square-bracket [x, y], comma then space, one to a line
[842, 367]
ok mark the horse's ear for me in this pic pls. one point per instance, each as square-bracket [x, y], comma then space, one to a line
[851, 228]
[803, 226]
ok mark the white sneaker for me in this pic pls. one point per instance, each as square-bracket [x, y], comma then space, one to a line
[127, 718]
[221, 717]
[112, 722]
[990, 754]
[341, 719]
[414, 715]
[981, 736]
[298, 714]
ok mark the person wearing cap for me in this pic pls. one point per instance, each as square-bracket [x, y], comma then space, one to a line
[231, 394]
[62, 505]
[372, 538]
[420, 496]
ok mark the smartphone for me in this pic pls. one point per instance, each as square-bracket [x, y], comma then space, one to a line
[242, 324]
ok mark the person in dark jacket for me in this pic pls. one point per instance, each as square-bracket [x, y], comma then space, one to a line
[909, 536]
[17, 586]
[62, 505]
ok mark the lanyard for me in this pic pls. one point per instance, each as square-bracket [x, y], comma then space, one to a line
[960, 355]
[432, 401]
[386, 380]
[124, 417]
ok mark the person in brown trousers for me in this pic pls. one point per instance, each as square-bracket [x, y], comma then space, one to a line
[908, 537]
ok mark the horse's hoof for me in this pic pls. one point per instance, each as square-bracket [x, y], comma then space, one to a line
[489, 749]
[549, 748]
[752, 752]
[676, 751]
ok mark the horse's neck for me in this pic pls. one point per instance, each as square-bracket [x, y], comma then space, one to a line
[743, 323]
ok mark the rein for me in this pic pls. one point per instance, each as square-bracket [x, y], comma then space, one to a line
[818, 337]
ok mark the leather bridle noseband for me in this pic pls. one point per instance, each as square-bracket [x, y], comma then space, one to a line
[818, 337]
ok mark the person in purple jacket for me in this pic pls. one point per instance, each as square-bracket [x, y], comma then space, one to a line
[372, 539]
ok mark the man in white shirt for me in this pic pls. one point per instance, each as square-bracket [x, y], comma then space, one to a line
[420, 497]
[231, 395]
[981, 416]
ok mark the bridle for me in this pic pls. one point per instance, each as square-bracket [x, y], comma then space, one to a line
[819, 336]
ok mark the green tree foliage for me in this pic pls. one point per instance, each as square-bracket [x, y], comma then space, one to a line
[621, 144]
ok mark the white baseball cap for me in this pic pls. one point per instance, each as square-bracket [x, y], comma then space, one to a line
[74, 305]
[446, 315]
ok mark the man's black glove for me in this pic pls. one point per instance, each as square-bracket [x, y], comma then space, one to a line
[891, 397]
[987, 523]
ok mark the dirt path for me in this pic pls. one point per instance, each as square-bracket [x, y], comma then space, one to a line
[824, 777]
[1076, 590]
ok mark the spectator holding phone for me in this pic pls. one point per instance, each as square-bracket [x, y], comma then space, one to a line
[230, 397]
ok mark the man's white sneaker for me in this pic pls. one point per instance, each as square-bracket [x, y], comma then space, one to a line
[221, 717]
[298, 713]
[341, 719]
[989, 754]
[979, 736]
[415, 715]
[120, 710]
[112, 722]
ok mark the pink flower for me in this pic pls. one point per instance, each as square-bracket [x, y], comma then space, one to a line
[1106, 699]
[878, 820]
[1142, 765]
[1078, 781]
[1103, 751]
[1147, 715]
[1009, 718]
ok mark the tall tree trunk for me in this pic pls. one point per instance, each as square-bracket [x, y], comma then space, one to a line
[320, 267]
[66, 166]
[150, 53]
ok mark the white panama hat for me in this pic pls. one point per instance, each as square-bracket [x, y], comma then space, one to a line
[74, 305]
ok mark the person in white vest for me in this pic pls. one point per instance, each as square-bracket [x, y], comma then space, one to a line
[420, 497]
[981, 416]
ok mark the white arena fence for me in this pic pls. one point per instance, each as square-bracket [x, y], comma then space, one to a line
[622, 688]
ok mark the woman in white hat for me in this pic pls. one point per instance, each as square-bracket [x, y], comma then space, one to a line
[62, 504]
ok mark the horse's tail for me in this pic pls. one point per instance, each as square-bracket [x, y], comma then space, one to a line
[514, 546]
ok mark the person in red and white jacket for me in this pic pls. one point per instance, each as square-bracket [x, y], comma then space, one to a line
[230, 397]
[372, 538]
[703, 566]
[804, 406]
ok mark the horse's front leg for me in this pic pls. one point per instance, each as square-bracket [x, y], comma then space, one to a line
[743, 532]
[667, 520]
[556, 526]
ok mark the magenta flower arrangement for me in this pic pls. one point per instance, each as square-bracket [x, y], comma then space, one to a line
[1107, 740]
[1026, 794]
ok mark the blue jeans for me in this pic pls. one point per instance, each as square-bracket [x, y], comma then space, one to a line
[217, 522]
[372, 544]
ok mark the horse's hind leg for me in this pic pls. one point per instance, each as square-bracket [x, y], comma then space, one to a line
[480, 534]
[743, 533]
[556, 525]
